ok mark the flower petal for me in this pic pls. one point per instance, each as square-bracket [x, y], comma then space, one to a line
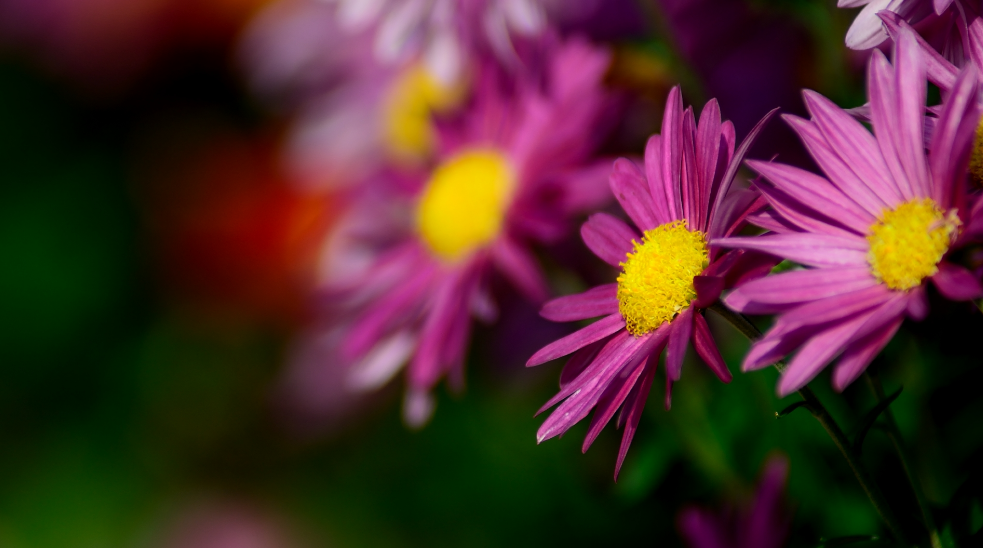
[706, 348]
[631, 191]
[858, 355]
[608, 237]
[578, 339]
[777, 293]
[597, 301]
[821, 250]
[956, 283]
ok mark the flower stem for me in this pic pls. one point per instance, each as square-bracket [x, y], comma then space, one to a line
[815, 406]
[894, 434]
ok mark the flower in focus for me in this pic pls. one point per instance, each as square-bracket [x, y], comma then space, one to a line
[669, 272]
[890, 215]
[511, 171]
[867, 31]
[762, 524]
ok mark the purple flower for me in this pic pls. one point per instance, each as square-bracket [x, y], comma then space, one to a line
[867, 31]
[872, 233]
[668, 273]
[509, 173]
[762, 524]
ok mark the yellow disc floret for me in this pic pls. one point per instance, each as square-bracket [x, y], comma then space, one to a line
[464, 203]
[410, 103]
[656, 280]
[907, 242]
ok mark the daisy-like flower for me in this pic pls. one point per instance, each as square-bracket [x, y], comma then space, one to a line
[442, 31]
[762, 524]
[669, 273]
[867, 31]
[872, 233]
[510, 173]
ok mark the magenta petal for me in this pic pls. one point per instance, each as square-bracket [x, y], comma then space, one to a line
[612, 399]
[577, 363]
[597, 301]
[811, 189]
[808, 249]
[883, 114]
[633, 406]
[735, 163]
[664, 212]
[578, 339]
[629, 187]
[838, 307]
[689, 190]
[858, 355]
[609, 238]
[708, 290]
[519, 266]
[917, 308]
[816, 353]
[910, 91]
[449, 307]
[939, 70]
[952, 140]
[681, 329]
[956, 283]
[706, 348]
[792, 212]
[672, 152]
[707, 151]
[773, 294]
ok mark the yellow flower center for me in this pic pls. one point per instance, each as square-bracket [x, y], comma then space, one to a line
[656, 280]
[907, 243]
[464, 203]
[976, 159]
[413, 98]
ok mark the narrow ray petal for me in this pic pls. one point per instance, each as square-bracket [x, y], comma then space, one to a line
[597, 301]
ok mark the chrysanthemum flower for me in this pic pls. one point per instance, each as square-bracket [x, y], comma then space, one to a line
[867, 31]
[669, 272]
[871, 234]
[509, 174]
[762, 524]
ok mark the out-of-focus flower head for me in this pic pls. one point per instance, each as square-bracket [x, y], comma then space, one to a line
[104, 44]
[867, 31]
[444, 33]
[898, 213]
[224, 524]
[669, 273]
[763, 523]
[510, 171]
[352, 115]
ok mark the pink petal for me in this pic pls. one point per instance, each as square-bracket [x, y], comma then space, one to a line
[822, 250]
[917, 308]
[883, 114]
[609, 238]
[630, 189]
[910, 89]
[956, 283]
[633, 406]
[775, 293]
[735, 163]
[952, 140]
[810, 189]
[708, 290]
[689, 190]
[939, 70]
[578, 339]
[597, 301]
[520, 267]
[858, 355]
[707, 151]
[612, 399]
[664, 212]
[815, 354]
[672, 152]
[577, 363]
[681, 329]
[706, 348]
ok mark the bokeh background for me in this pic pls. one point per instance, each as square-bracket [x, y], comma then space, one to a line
[156, 263]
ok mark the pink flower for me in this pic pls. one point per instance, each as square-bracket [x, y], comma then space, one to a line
[509, 173]
[867, 31]
[668, 273]
[872, 233]
[762, 524]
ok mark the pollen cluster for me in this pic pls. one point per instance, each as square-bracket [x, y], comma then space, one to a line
[907, 243]
[656, 280]
[464, 203]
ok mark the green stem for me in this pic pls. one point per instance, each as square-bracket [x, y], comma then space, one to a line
[818, 410]
[894, 434]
